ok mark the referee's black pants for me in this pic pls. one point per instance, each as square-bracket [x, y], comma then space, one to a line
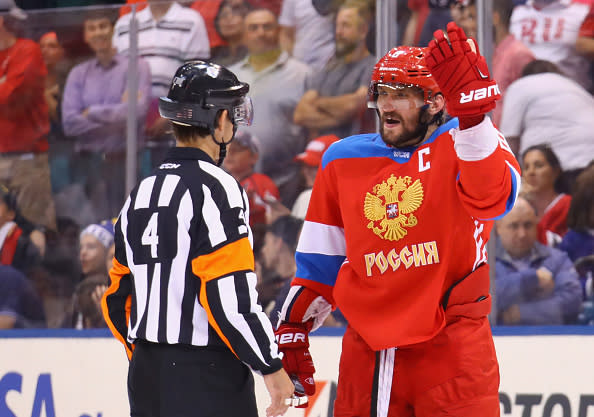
[185, 381]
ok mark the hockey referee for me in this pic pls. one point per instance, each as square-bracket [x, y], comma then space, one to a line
[182, 297]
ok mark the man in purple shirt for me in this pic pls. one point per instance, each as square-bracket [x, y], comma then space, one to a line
[94, 113]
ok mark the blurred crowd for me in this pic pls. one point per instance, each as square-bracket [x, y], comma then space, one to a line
[78, 84]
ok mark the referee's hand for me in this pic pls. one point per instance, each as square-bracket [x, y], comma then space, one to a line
[280, 388]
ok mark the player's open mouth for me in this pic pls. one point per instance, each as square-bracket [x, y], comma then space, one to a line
[390, 123]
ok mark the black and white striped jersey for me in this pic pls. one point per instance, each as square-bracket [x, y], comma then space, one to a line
[183, 270]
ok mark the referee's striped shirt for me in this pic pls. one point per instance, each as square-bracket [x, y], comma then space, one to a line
[183, 270]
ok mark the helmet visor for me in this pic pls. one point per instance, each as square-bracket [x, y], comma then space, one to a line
[243, 112]
[399, 96]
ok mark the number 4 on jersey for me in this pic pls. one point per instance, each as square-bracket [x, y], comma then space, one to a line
[150, 236]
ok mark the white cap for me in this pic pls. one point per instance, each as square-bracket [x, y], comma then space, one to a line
[10, 7]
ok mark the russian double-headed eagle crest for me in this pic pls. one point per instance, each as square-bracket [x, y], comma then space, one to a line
[390, 208]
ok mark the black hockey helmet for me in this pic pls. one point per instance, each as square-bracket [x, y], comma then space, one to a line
[199, 90]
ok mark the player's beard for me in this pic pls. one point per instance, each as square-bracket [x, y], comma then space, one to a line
[408, 136]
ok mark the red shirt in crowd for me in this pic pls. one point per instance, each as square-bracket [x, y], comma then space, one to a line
[24, 117]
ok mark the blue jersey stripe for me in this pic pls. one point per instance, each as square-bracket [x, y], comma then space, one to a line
[371, 145]
[318, 268]
[511, 200]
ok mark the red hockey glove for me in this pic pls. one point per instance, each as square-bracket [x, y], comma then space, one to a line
[462, 75]
[293, 342]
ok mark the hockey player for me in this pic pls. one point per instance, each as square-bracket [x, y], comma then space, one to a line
[395, 236]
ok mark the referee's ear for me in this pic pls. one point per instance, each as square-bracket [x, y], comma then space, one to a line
[224, 126]
[220, 117]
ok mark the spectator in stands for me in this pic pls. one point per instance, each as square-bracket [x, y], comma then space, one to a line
[510, 55]
[310, 161]
[86, 304]
[438, 18]
[53, 57]
[229, 25]
[242, 156]
[578, 242]
[335, 100]
[209, 9]
[95, 112]
[16, 248]
[418, 11]
[277, 81]
[60, 149]
[306, 34]
[95, 242]
[535, 284]
[277, 258]
[24, 119]
[171, 35]
[559, 31]
[61, 271]
[20, 305]
[541, 175]
[544, 106]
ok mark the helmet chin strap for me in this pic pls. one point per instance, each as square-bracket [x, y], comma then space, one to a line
[222, 144]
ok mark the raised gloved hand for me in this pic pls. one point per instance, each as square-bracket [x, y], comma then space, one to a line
[462, 74]
[293, 342]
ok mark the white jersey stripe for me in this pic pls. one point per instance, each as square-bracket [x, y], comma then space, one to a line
[228, 296]
[212, 217]
[140, 285]
[229, 183]
[247, 217]
[145, 189]
[152, 318]
[252, 279]
[167, 190]
[177, 279]
[124, 226]
[322, 239]
[200, 325]
[386, 373]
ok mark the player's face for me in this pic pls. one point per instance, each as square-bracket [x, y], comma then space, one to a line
[92, 255]
[399, 111]
[537, 172]
[517, 230]
[98, 33]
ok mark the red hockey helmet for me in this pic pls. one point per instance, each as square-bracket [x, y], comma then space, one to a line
[403, 66]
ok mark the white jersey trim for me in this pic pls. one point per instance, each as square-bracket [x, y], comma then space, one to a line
[322, 239]
[477, 142]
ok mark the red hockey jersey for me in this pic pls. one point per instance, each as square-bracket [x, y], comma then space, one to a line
[389, 230]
